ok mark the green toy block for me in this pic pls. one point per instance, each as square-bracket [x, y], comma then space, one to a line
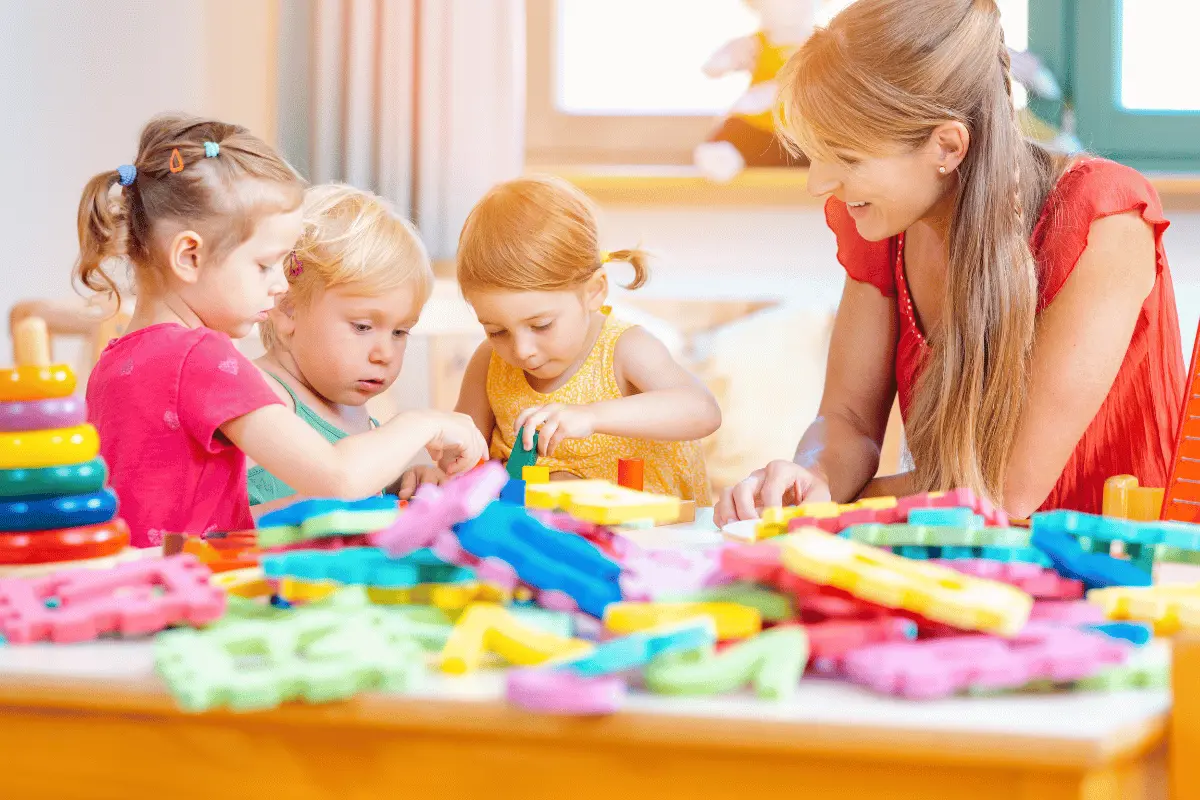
[771, 606]
[520, 458]
[315, 655]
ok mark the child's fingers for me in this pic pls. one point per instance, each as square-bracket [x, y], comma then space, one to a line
[546, 435]
[559, 436]
[408, 484]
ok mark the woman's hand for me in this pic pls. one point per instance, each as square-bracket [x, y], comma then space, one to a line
[780, 483]
[554, 423]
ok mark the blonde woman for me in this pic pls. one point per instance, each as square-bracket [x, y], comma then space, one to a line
[1019, 304]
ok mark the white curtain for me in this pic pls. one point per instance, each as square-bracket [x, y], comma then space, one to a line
[421, 101]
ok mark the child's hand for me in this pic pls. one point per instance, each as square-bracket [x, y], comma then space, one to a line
[554, 423]
[417, 476]
[459, 445]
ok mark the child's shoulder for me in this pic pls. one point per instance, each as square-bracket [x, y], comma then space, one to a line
[169, 339]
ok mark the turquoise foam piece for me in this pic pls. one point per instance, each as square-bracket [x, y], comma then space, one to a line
[367, 566]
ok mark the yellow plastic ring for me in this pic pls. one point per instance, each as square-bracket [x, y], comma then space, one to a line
[53, 448]
[36, 383]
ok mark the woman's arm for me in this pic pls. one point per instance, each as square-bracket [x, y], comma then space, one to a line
[472, 397]
[1081, 341]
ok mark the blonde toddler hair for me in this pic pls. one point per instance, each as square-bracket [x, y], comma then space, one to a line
[352, 237]
[536, 233]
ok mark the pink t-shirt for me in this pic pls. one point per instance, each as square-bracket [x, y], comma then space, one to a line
[158, 397]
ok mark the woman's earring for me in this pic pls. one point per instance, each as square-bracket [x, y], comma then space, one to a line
[941, 170]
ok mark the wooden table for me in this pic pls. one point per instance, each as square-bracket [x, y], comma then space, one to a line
[93, 721]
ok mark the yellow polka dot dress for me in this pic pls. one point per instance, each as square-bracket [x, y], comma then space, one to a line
[671, 468]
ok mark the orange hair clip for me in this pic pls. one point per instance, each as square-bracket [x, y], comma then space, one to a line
[176, 163]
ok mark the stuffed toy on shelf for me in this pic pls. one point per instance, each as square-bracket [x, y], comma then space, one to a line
[746, 136]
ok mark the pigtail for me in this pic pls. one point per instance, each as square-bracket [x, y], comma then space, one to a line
[639, 260]
[102, 226]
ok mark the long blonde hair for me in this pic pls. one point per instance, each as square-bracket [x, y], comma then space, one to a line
[211, 176]
[539, 234]
[887, 72]
[352, 237]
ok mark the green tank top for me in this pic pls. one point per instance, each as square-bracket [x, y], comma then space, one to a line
[265, 487]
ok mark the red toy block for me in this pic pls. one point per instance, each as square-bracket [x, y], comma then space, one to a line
[131, 599]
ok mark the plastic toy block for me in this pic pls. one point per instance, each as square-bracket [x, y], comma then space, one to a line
[1125, 499]
[1033, 579]
[535, 475]
[368, 566]
[315, 655]
[513, 492]
[70, 544]
[554, 691]
[950, 517]
[1072, 561]
[1170, 608]
[942, 667]
[938, 593]
[219, 560]
[41, 482]
[639, 649]
[631, 473]
[247, 583]
[1146, 668]
[435, 509]
[55, 513]
[52, 448]
[520, 458]
[773, 661]
[544, 558]
[484, 627]
[40, 415]
[602, 502]
[732, 621]
[134, 598]
[772, 606]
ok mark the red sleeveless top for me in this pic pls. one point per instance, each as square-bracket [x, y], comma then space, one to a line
[1133, 433]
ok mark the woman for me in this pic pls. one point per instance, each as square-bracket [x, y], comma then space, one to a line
[1020, 304]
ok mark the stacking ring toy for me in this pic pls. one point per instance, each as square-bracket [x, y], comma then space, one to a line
[36, 382]
[70, 544]
[54, 513]
[40, 415]
[53, 448]
[38, 484]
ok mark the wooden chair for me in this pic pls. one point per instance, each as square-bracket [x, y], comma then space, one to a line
[96, 322]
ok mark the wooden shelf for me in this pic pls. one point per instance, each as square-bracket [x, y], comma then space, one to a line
[685, 186]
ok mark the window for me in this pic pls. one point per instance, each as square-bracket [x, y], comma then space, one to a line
[1135, 96]
[620, 81]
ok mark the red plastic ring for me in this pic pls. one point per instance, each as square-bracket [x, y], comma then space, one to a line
[65, 544]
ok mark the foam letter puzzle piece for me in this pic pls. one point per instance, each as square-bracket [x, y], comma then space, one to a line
[554, 691]
[732, 621]
[772, 606]
[135, 598]
[829, 642]
[773, 661]
[486, 627]
[53, 448]
[368, 566]
[1146, 668]
[434, 510]
[941, 667]
[1033, 579]
[1170, 608]
[57, 513]
[40, 415]
[318, 517]
[520, 458]
[602, 502]
[938, 593]
[316, 655]
[547, 559]
[1072, 561]
[42, 482]
[639, 649]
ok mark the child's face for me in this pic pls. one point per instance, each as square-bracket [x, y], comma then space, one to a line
[349, 346]
[238, 292]
[542, 333]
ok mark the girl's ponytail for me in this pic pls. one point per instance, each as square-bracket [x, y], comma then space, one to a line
[102, 232]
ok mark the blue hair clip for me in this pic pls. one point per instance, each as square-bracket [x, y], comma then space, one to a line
[211, 149]
[126, 174]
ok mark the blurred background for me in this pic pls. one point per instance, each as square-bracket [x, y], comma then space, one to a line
[430, 102]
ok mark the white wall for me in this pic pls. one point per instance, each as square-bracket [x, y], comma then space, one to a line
[79, 78]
